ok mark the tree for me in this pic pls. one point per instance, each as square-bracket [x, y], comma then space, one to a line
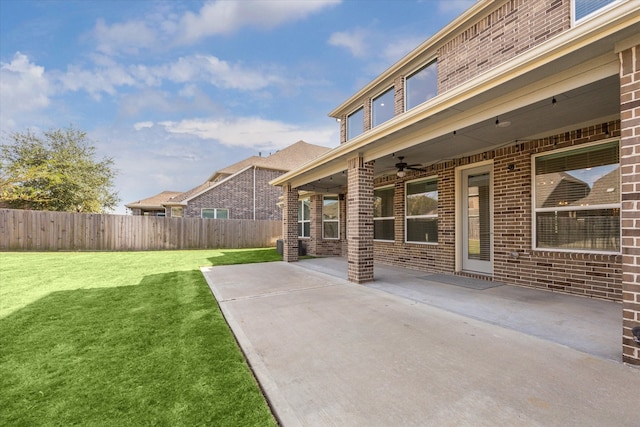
[55, 172]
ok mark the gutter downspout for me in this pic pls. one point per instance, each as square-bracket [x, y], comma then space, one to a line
[254, 192]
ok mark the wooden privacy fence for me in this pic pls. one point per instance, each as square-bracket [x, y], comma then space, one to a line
[62, 231]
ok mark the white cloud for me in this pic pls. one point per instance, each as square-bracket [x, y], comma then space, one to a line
[23, 85]
[108, 76]
[400, 47]
[354, 41]
[96, 81]
[128, 37]
[164, 28]
[142, 125]
[223, 17]
[253, 132]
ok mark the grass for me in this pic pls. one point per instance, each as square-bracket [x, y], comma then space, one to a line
[121, 339]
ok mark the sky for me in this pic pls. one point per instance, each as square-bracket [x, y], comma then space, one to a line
[174, 90]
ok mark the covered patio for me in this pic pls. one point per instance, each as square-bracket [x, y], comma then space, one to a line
[589, 325]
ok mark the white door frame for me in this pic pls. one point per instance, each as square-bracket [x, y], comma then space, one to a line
[460, 219]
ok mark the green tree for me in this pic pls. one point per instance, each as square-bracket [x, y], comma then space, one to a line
[55, 171]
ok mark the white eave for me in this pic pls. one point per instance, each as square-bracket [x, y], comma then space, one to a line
[614, 20]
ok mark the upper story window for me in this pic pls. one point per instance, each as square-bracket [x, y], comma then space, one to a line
[421, 85]
[584, 8]
[355, 123]
[422, 211]
[330, 217]
[383, 219]
[382, 108]
[304, 218]
[577, 199]
[215, 213]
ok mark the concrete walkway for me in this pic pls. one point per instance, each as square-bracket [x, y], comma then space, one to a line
[331, 353]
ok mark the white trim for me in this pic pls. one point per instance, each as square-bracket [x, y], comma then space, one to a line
[458, 219]
[337, 220]
[535, 210]
[215, 212]
[304, 221]
[383, 218]
[393, 104]
[434, 59]
[347, 116]
[431, 216]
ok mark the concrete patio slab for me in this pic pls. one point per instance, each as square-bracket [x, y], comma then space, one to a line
[328, 352]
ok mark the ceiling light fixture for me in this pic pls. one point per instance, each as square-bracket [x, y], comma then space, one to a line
[401, 174]
[502, 124]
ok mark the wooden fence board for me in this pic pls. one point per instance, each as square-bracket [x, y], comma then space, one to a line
[68, 231]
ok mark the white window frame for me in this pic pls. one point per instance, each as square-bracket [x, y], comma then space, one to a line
[360, 108]
[382, 218]
[429, 63]
[575, 21]
[373, 104]
[336, 221]
[534, 210]
[175, 208]
[304, 220]
[407, 217]
[215, 212]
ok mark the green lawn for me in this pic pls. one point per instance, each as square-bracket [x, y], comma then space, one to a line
[121, 339]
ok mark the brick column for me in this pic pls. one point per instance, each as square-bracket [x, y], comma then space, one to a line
[290, 224]
[360, 220]
[315, 226]
[630, 192]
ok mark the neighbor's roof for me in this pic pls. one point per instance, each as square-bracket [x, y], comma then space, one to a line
[284, 160]
[153, 202]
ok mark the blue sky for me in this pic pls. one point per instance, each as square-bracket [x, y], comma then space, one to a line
[175, 90]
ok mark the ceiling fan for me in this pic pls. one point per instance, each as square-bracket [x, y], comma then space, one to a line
[401, 166]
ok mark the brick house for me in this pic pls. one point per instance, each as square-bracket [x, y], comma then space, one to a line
[506, 147]
[242, 190]
[152, 206]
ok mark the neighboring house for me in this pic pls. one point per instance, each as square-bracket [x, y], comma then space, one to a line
[152, 206]
[242, 190]
[506, 147]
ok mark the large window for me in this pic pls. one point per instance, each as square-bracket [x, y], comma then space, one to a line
[421, 85]
[355, 123]
[304, 218]
[584, 8]
[382, 108]
[383, 219]
[422, 211]
[215, 213]
[577, 199]
[330, 217]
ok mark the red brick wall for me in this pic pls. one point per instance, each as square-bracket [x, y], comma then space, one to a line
[596, 275]
[512, 28]
[236, 194]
